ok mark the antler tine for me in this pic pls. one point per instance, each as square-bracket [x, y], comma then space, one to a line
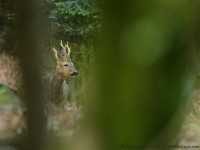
[61, 44]
[68, 48]
[63, 51]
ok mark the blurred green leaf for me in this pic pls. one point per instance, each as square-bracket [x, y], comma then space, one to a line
[8, 96]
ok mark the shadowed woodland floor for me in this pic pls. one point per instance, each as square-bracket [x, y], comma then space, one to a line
[60, 121]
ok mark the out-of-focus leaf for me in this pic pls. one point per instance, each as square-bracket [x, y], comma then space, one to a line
[8, 96]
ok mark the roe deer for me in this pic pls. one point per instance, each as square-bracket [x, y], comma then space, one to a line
[57, 88]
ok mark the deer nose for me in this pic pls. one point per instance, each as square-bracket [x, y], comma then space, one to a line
[75, 73]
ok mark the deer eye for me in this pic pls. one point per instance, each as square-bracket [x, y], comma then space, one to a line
[66, 65]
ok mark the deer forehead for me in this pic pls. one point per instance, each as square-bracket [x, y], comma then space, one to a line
[64, 62]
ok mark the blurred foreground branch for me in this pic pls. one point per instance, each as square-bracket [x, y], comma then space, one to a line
[28, 22]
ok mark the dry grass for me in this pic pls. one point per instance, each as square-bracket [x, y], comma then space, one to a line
[10, 72]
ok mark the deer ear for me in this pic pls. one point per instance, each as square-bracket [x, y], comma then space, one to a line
[55, 53]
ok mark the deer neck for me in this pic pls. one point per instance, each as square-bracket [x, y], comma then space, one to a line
[58, 78]
[56, 87]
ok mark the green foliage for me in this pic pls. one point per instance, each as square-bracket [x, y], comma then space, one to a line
[8, 96]
[76, 20]
[84, 8]
[7, 28]
[147, 73]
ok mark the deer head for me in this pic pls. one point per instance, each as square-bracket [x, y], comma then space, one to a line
[65, 67]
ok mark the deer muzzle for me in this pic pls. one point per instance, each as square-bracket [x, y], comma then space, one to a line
[74, 73]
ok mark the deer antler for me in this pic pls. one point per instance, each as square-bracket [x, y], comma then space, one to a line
[68, 48]
[64, 48]
[61, 44]
[63, 51]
